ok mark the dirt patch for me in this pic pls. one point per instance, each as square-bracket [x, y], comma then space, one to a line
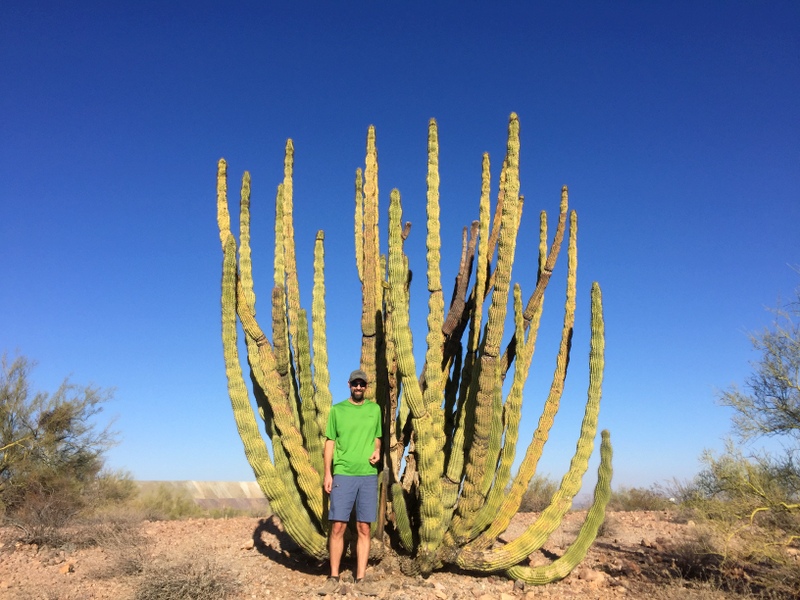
[249, 558]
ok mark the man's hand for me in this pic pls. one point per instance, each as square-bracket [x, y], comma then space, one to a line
[375, 457]
[327, 458]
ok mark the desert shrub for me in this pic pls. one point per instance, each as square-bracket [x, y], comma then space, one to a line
[750, 527]
[42, 508]
[538, 495]
[608, 528]
[194, 579]
[166, 502]
[51, 451]
[111, 488]
[763, 490]
[749, 498]
[126, 547]
[709, 557]
[633, 499]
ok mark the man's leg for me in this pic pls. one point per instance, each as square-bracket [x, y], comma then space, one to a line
[362, 549]
[366, 513]
[343, 496]
[336, 545]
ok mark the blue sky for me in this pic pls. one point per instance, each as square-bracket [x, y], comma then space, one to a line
[675, 126]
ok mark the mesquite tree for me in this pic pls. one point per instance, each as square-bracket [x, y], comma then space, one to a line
[451, 427]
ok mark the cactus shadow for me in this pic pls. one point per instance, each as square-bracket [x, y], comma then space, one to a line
[271, 540]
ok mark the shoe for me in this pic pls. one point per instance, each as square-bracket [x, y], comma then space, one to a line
[331, 586]
[365, 588]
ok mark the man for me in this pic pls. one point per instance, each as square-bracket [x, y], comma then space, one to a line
[352, 453]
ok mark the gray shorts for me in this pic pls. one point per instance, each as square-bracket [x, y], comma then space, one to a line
[348, 491]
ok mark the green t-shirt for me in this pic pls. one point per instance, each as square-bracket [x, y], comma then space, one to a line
[353, 428]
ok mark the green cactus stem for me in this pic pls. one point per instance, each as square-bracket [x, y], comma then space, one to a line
[576, 552]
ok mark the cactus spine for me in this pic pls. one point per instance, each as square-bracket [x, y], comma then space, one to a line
[451, 428]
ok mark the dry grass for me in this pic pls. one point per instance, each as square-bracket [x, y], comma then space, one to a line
[127, 549]
[711, 558]
[193, 578]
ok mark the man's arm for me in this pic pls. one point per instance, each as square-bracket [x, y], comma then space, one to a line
[376, 454]
[327, 457]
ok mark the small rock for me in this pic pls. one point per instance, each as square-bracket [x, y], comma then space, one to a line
[248, 545]
[519, 585]
[506, 596]
[630, 568]
[66, 568]
[440, 594]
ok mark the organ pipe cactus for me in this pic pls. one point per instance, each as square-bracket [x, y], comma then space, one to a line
[451, 425]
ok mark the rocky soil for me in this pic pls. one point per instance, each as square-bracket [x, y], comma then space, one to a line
[245, 558]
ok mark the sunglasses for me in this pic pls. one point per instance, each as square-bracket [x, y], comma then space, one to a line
[358, 384]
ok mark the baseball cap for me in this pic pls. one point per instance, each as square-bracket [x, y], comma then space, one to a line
[357, 374]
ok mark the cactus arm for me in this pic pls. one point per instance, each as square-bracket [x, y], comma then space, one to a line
[402, 523]
[289, 254]
[455, 462]
[359, 225]
[395, 427]
[433, 390]
[372, 290]
[278, 263]
[282, 464]
[281, 460]
[542, 246]
[484, 256]
[290, 437]
[576, 552]
[489, 384]
[512, 409]
[527, 468]
[494, 236]
[458, 314]
[545, 272]
[249, 324]
[296, 520]
[450, 400]
[245, 254]
[512, 413]
[311, 432]
[322, 378]
[223, 215]
[536, 535]
[430, 461]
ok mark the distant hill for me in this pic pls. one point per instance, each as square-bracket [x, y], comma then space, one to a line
[239, 495]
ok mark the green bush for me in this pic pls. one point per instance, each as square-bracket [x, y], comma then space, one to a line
[749, 498]
[51, 452]
[538, 495]
[166, 503]
[749, 525]
[630, 499]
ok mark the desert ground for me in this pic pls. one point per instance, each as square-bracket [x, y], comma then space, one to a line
[636, 556]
